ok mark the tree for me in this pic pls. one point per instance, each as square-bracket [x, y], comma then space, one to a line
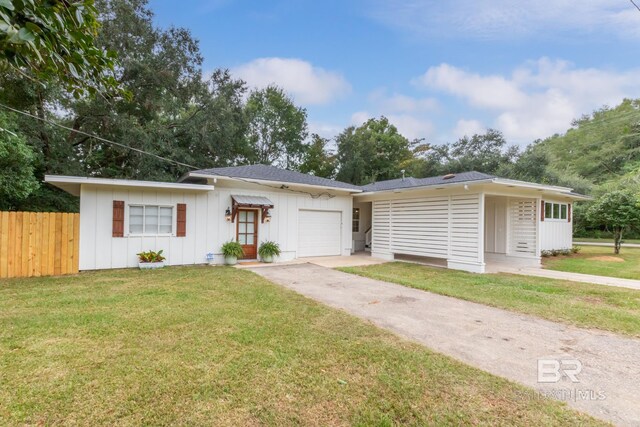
[277, 128]
[318, 160]
[375, 151]
[54, 40]
[618, 210]
[17, 180]
[482, 152]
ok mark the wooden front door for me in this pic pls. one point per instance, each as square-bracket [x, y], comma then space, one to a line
[247, 232]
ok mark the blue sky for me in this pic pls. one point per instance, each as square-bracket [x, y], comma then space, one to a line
[437, 69]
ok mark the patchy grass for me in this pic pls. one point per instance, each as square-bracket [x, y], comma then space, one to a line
[205, 346]
[591, 306]
[597, 260]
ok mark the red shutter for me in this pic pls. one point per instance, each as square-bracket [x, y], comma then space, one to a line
[541, 210]
[568, 212]
[117, 228]
[182, 220]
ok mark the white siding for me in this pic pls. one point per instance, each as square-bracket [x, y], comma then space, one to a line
[206, 230]
[556, 233]
[522, 227]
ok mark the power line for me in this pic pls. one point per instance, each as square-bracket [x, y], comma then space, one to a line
[99, 138]
[635, 4]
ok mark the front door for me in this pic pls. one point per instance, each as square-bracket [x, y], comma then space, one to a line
[247, 232]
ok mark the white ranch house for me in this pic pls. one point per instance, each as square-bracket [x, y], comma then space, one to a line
[463, 221]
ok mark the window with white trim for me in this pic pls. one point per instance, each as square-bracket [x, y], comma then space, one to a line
[557, 211]
[150, 219]
[355, 223]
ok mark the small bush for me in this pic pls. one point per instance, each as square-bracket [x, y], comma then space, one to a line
[232, 249]
[545, 253]
[575, 249]
[268, 249]
[151, 256]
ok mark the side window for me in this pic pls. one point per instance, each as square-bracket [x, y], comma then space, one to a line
[150, 219]
[355, 225]
[555, 210]
[548, 209]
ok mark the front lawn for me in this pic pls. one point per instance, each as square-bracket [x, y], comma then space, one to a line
[591, 306]
[599, 260]
[604, 240]
[220, 346]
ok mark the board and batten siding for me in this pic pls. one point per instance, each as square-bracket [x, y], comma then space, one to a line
[206, 227]
[556, 233]
[447, 227]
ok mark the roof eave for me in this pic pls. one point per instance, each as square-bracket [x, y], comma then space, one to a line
[72, 184]
[425, 187]
[269, 182]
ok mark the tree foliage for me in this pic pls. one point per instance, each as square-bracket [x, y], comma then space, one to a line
[277, 128]
[54, 41]
[617, 210]
[374, 151]
[17, 180]
[317, 159]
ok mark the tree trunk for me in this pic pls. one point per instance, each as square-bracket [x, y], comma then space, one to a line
[617, 240]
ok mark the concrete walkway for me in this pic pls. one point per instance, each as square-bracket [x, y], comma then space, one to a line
[573, 277]
[356, 260]
[498, 341]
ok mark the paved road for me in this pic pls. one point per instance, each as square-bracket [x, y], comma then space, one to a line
[498, 341]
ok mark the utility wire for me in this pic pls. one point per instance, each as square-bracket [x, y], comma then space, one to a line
[118, 144]
[635, 4]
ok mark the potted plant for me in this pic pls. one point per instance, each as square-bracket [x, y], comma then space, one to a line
[232, 251]
[150, 260]
[268, 250]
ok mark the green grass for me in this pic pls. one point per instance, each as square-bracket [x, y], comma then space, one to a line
[604, 240]
[219, 346]
[587, 261]
[585, 305]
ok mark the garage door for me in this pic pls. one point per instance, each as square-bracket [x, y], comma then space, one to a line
[319, 233]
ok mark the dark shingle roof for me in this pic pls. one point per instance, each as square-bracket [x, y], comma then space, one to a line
[272, 173]
[395, 184]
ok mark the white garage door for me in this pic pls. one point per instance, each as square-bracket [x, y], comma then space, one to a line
[319, 233]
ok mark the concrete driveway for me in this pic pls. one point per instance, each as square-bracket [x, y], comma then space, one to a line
[498, 341]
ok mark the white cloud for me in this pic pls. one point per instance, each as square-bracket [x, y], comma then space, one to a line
[359, 117]
[400, 103]
[537, 99]
[468, 128]
[309, 85]
[496, 19]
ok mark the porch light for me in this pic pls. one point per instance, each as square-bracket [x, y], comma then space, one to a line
[267, 217]
[227, 215]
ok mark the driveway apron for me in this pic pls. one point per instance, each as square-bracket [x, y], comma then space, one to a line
[501, 342]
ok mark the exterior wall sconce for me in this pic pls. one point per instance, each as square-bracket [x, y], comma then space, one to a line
[267, 216]
[227, 215]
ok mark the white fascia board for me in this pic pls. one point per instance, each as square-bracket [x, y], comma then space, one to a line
[525, 184]
[267, 182]
[72, 181]
[425, 187]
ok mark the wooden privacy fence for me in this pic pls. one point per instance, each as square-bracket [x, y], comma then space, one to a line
[38, 243]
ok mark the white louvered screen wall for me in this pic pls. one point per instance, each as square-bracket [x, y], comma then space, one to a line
[438, 227]
[381, 227]
[420, 226]
[465, 226]
[522, 219]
